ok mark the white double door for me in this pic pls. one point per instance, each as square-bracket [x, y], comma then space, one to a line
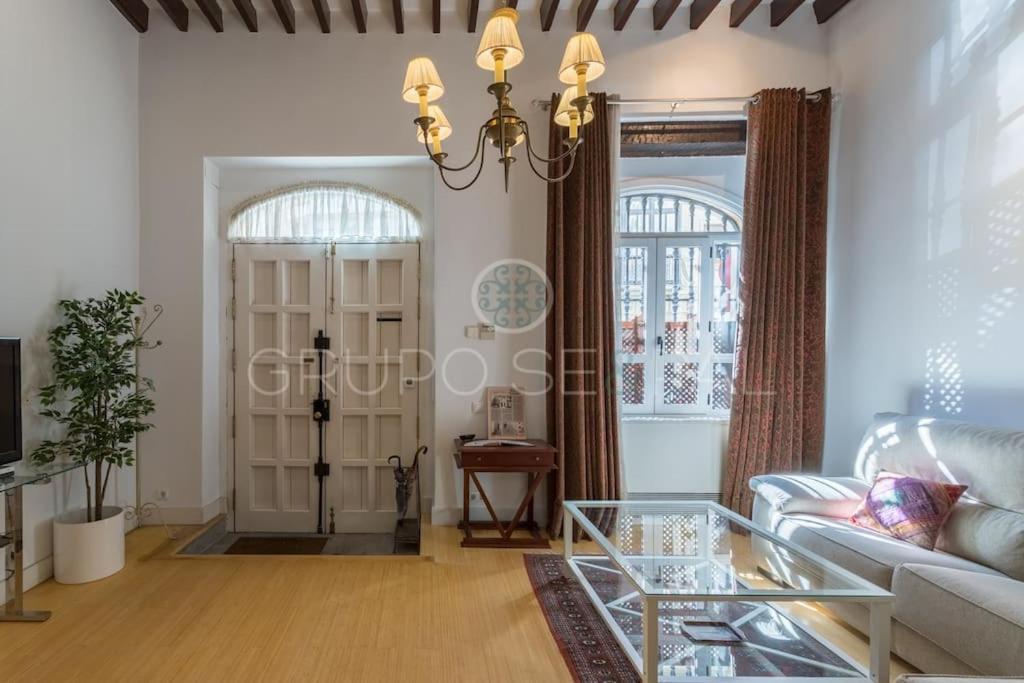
[365, 299]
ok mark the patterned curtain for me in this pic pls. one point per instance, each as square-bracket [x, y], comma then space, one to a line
[583, 419]
[778, 407]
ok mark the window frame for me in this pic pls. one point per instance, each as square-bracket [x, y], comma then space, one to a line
[657, 245]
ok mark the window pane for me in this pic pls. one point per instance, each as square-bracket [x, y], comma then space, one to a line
[633, 299]
[726, 297]
[632, 384]
[680, 384]
[682, 300]
[721, 389]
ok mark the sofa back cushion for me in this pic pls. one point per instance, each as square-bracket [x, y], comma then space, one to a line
[987, 526]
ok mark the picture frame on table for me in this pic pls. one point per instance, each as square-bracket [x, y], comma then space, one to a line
[506, 413]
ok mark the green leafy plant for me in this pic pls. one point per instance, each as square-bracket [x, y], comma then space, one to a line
[96, 394]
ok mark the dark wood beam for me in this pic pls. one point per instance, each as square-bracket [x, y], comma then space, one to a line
[547, 14]
[584, 12]
[323, 15]
[683, 139]
[663, 11]
[826, 9]
[248, 14]
[286, 11]
[474, 9]
[700, 10]
[211, 10]
[177, 11]
[623, 11]
[781, 9]
[359, 12]
[135, 11]
[740, 10]
[436, 16]
[399, 14]
[512, 3]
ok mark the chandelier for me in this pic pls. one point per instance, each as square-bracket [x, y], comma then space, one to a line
[500, 50]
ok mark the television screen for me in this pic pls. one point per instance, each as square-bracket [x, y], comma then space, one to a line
[10, 400]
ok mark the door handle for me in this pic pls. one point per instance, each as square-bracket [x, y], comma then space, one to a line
[661, 345]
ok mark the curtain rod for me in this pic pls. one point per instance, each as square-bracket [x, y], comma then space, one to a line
[680, 101]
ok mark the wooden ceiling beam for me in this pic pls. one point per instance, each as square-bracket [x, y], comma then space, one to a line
[359, 14]
[584, 12]
[398, 12]
[248, 14]
[740, 10]
[663, 11]
[213, 13]
[323, 15]
[177, 11]
[435, 16]
[135, 11]
[623, 11]
[700, 10]
[286, 12]
[548, 8]
[782, 9]
[474, 9]
[826, 9]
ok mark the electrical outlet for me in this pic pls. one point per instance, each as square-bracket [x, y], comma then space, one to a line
[161, 494]
[474, 496]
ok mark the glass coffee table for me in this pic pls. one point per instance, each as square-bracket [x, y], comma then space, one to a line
[694, 592]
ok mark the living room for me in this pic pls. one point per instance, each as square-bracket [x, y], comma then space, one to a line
[265, 392]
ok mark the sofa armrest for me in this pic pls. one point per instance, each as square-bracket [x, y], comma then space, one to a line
[811, 495]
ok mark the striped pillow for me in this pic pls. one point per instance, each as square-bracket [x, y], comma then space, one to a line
[906, 508]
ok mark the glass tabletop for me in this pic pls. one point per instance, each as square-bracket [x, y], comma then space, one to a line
[702, 550]
[27, 473]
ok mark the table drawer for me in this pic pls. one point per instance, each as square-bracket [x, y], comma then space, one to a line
[507, 459]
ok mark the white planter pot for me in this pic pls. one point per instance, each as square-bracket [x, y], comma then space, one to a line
[87, 551]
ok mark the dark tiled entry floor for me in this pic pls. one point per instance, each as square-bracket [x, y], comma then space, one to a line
[217, 539]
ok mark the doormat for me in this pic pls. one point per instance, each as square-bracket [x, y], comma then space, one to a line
[277, 545]
[588, 647]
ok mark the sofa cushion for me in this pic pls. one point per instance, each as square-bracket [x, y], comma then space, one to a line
[979, 618]
[825, 496]
[907, 508]
[989, 461]
[867, 554]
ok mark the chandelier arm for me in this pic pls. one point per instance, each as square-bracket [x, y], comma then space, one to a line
[455, 169]
[572, 163]
[476, 175]
[529, 146]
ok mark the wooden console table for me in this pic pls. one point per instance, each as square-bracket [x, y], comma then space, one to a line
[535, 461]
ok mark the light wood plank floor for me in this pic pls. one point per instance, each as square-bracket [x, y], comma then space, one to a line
[457, 615]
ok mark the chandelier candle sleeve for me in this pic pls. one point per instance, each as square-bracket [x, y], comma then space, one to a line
[582, 62]
[439, 129]
[568, 115]
[422, 83]
[500, 48]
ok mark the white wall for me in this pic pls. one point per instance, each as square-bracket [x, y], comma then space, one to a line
[927, 252]
[270, 94]
[69, 192]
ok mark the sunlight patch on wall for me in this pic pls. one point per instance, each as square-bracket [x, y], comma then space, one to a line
[943, 385]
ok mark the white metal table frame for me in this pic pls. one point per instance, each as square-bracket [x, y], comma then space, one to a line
[878, 601]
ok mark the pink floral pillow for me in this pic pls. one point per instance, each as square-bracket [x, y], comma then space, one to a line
[906, 508]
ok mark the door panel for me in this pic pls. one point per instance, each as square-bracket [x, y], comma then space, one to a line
[279, 306]
[375, 321]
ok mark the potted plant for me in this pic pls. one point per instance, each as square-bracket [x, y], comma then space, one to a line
[99, 399]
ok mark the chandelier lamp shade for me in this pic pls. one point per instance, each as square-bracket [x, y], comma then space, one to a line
[501, 50]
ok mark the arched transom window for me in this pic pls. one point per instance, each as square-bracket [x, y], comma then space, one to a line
[678, 260]
[324, 212]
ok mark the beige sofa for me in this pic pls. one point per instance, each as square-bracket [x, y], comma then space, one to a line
[959, 609]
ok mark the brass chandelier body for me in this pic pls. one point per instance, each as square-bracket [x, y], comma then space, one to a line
[500, 49]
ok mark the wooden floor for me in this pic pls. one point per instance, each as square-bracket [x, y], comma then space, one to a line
[455, 615]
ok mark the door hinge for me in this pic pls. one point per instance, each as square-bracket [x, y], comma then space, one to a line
[234, 363]
[234, 498]
[233, 307]
[232, 426]
[234, 269]
[417, 429]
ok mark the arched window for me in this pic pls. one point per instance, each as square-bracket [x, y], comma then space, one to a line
[324, 212]
[678, 299]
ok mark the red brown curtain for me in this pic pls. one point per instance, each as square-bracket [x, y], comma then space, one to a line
[582, 403]
[778, 406]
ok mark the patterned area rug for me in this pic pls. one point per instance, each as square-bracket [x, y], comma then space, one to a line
[590, 650]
